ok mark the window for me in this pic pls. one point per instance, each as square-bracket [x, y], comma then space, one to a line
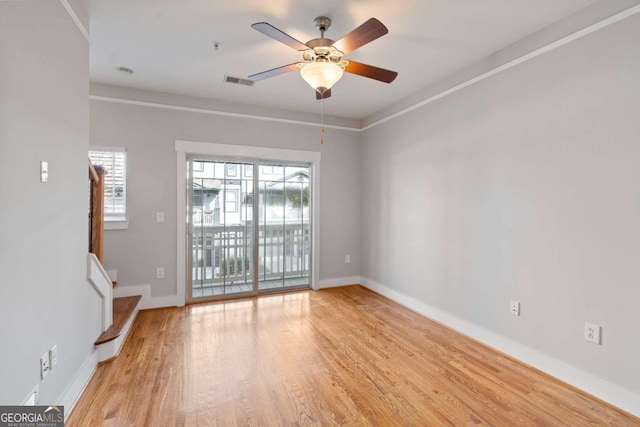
[232, 169]
[267, 169]
[114, 161]
[231, 200]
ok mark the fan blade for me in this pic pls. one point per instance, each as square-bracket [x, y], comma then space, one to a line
[365, 33]
[325, 95]
[274, 72]
[370, 71]
[274, 33]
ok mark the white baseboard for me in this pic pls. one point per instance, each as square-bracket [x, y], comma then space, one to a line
[147, 300]
[163, 301]
[72, 393]
[614, 394]
[339, 281]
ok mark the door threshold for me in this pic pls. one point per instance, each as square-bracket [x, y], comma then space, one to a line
[267, 292]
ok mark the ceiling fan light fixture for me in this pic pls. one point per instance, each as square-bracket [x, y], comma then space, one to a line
[321, 75]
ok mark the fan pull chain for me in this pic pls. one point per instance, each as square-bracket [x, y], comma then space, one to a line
[322, 120]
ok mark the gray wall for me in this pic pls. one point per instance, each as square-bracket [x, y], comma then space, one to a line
[524, 186]
[44, 295]
[149, 135]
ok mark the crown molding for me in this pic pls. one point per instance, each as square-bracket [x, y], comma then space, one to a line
[217, 112]
[75, 17]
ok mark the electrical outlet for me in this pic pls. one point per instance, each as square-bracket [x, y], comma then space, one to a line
[160, 273]
[53, 356]
[592, 333]
[514, 308]
[159, 216]
[45, 366]
[347, 259]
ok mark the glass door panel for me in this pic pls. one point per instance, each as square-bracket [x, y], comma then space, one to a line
[221, 228]
[284, 230]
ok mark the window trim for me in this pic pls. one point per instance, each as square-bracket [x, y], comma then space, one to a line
[116, 224]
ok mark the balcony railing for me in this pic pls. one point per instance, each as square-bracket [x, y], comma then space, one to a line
[223, 254]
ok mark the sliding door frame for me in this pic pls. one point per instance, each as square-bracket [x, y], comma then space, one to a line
[239, 153]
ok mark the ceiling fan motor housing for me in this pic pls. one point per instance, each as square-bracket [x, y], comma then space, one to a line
[322, 50]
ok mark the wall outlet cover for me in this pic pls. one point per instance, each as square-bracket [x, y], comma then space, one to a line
[592, 332]
[514, 308]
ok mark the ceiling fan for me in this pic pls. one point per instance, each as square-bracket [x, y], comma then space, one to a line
[322, 64]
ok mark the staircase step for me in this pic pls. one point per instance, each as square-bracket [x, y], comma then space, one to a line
[123, 309]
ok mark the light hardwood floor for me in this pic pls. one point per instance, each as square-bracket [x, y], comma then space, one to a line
[342, 356]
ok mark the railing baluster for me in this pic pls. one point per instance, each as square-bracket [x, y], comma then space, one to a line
[222, 252]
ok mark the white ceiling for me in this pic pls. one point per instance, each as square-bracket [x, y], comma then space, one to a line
[169, 45]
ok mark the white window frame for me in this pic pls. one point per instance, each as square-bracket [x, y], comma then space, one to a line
[112, 221]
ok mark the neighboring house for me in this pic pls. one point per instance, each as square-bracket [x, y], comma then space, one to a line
[227, 201]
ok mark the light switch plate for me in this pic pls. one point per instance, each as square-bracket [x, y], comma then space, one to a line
[44, 171]
[53, 356]
[45, 365]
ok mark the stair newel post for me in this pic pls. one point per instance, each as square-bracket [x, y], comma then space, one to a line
[96, 213]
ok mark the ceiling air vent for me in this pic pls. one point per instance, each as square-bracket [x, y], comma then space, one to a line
[238, 81]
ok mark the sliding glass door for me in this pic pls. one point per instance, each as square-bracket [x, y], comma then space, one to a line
[229, 204]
